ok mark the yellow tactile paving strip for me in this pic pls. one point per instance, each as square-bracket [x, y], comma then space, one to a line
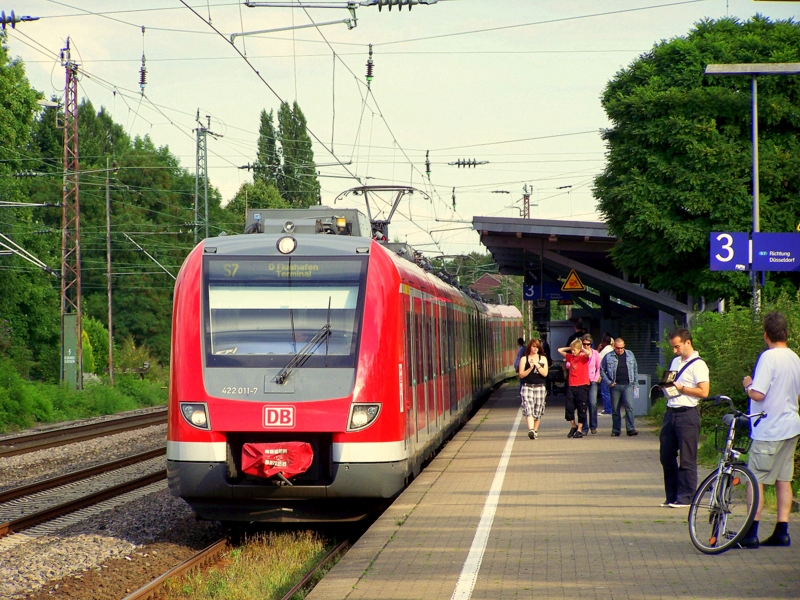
[576, 519]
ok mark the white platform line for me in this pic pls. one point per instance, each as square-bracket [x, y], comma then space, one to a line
[469, 572]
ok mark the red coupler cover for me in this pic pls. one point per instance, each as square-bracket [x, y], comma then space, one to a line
[288, 458]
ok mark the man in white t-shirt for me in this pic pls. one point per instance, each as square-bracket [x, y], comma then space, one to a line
[681, 429]
[774, 390]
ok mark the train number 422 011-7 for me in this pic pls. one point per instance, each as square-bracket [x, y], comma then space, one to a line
[239, 390]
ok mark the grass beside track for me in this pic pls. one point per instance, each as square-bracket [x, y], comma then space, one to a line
[265, 567]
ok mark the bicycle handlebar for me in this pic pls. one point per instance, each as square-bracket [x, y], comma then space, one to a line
[717, 400]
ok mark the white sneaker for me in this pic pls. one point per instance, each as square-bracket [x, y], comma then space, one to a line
[678, 505]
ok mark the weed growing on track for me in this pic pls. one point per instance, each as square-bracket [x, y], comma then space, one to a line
[266, 567]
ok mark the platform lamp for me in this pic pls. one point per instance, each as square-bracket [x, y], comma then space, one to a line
[753, 70]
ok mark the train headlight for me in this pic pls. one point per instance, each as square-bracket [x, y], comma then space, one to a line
[362, 415]
[196, 414]
[287, 244]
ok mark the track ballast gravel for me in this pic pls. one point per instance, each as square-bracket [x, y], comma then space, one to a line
[111, 553]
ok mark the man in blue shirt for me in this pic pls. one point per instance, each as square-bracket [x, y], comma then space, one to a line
[520, 352]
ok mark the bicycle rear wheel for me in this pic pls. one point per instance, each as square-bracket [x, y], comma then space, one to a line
[720, 515]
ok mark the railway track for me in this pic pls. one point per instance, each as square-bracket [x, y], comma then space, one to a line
[59, 437]
[211, 555]
[26, 506]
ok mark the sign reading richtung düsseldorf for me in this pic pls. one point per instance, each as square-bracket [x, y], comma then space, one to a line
[776, 252]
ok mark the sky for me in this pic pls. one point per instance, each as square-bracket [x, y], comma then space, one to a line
[515, 83]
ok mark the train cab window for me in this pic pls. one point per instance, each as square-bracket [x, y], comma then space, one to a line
[260, 312]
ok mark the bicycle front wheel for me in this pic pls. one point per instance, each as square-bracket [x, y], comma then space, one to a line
[720, 514]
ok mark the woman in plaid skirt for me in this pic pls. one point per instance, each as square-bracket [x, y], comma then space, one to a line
[533, 376]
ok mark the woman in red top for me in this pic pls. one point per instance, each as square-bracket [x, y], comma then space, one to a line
[577, 357]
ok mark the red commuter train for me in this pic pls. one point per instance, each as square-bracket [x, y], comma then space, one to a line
[312, 375]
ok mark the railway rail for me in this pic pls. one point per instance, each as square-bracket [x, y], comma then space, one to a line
[211, 555]
[49, 511]
[68, 435]
[48, 484]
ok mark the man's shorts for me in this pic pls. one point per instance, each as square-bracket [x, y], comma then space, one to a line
[773, 461]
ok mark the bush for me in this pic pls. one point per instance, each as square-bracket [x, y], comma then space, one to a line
[24, 403]
[87, 356]
[98, 338]
[19, 406]
[730, 343]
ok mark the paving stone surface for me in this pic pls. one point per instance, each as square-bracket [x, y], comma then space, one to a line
[575, 519]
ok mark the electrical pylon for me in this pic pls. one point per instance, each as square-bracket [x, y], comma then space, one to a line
[71, 321]
[201, 170]
[526, 203]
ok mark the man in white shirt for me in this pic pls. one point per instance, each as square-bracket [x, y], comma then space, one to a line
[774, 390]
[681, 428]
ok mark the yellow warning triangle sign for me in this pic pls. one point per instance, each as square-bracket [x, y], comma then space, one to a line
[573, 283]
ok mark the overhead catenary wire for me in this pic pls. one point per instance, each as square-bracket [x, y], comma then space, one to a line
[544, 22]
[373, 157]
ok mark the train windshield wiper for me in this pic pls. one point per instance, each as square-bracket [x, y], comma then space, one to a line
[305, 352]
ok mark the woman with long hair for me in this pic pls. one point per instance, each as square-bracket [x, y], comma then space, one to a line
[533, 377]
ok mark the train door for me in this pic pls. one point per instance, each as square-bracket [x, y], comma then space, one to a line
[451, 358]
[444, 380]
[430, 373]
[440, 380]
[419, 371]
[408, 383]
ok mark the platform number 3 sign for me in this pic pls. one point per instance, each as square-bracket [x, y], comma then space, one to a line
[729, 251]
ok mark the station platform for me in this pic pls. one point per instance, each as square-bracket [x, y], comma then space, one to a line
[499, 516]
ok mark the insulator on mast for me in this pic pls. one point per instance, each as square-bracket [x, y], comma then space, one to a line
[143, 69]
[427, 164]
[369, 68]
[142, 76]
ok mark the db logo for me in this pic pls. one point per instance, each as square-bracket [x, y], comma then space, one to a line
[279, 416]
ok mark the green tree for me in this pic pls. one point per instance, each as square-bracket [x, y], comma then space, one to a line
[679, 153]
[267, 168]
[299, 185]
[30, 296]
[250, 195]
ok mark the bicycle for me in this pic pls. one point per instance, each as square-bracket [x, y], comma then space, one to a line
[725, 504]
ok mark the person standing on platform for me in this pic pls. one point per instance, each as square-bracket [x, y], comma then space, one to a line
[520, 353]
[546, 352]
[606, 346]
[620, 371]
[533, 377]
[594, 385]
[577, 333]
[577, 363]
[774, 390]
[681, 428]
[545, 348]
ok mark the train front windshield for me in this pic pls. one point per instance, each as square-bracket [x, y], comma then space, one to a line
[260, 312]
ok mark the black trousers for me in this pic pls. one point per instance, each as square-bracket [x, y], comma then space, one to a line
[577, 398]
[680, 433]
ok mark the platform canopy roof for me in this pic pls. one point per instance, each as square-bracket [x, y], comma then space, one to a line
[547, 250]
